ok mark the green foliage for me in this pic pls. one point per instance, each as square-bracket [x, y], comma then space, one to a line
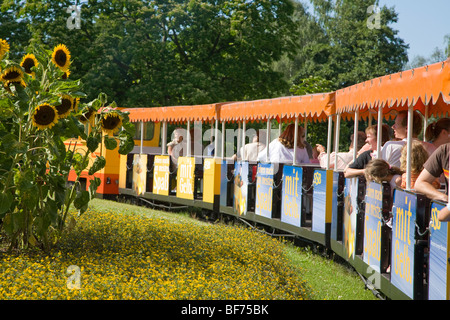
[310, 85]
[153, 53]
[344, 47]
[40, 109]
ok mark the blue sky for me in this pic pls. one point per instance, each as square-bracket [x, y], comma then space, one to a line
[421, 23]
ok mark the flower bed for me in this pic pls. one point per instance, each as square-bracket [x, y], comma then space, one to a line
[123, 255]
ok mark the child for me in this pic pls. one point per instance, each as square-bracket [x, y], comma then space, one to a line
[379, 170]
[418, 157]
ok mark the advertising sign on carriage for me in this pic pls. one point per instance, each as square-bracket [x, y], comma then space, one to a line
[350, 216]
[372, 225]
[185, 177]
[319, 201]
[211, 179]
[403, 230]
[240, 187]
[264, 189]
[439, 254]
[139, 173]
[161, 170]
[291, 195]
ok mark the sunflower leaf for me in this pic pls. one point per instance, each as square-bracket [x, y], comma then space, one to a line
[110, 142]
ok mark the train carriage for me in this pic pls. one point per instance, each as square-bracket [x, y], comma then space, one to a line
[350, 216]
[395, 258]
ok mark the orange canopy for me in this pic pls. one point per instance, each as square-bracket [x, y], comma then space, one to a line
[207, 112]
[315, 107]
[429, 85]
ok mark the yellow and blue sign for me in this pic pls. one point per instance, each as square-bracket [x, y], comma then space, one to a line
[351, 208]
[264, 189]
[185, 177]
[373, 225]
[240, 187]
[322, 199]
[438, 285]
[291, 195]
[161, 171]
[139, 173]
[211, 179]
[403, 230]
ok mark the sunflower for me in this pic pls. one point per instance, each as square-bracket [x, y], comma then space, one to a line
[4, 48]
[67, 105]
[61, 57]
[19, 82]
[66, 75]
[45, 116]
[111, 122]
[29, 61]
[88, 115]
[11, 74]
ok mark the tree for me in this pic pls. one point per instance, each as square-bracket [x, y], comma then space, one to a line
[354, 49]
[152, 53]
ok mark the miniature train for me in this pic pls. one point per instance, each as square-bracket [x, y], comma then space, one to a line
[404, 259]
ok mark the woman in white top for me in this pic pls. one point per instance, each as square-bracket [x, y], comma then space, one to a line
[281, 150]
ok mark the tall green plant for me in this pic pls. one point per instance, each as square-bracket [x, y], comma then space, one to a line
[40, 109]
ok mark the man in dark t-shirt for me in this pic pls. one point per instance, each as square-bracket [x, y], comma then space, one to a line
[436, 165]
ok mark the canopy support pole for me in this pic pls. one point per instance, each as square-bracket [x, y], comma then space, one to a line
[294, 161]
[244, 128]
[142, 137]
[379, 131]
[336, 137]
[222, 154]
[425, 122]
[267, 139]
[164, 138]
[408, 147]
[330, 128]
[188, 152]
[238, 139]
[355, 135]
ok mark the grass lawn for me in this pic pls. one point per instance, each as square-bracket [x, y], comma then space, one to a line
[124, 252]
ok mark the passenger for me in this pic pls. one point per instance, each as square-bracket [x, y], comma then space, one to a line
[418, 158]
[315, 155]
[178, 146]
[343, 158]
[356, 168]
[438, 133]
[436, 165]
[380, 171]
[392, 150]
[281, 150]
[251, 150]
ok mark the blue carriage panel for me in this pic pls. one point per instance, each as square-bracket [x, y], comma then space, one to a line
[409, 221]
[291, 195]
[240, 194]
[353, 216]
[438, 259]
[377, 226]
[321, 211]
[264, 189]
